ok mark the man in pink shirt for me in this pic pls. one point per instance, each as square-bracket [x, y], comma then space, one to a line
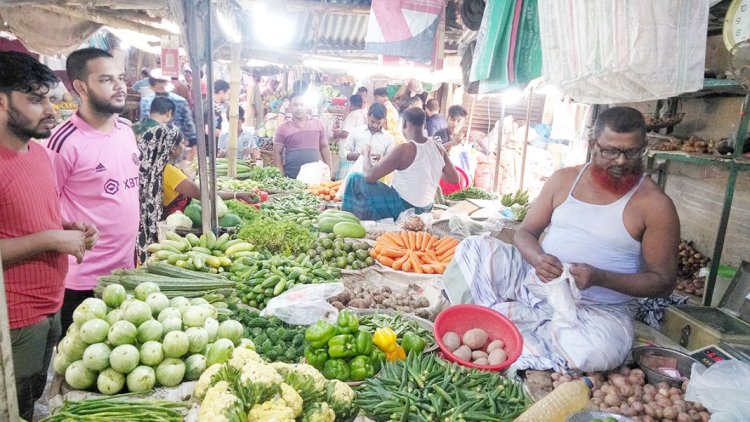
[96, 162]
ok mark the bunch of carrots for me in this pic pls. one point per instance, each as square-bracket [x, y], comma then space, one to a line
[417, 252]
[326, 190]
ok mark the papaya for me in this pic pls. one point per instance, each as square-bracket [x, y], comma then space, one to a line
[230, 220]
[193, 211]
[349, 229]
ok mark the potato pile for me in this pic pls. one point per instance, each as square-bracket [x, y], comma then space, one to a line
[690, 260]
[626, 393]
[471, 347]
[366, 295]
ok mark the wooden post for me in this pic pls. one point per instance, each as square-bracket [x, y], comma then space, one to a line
[234, 110]
[499, 132]
[526, 139]
[8, 399]
[471, 117]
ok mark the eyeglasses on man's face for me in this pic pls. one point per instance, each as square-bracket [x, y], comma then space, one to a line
[611, 153]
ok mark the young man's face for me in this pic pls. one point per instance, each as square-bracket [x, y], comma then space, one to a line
[28, 115]
[221, 96]
[104, 87]
[374, 124]
[299, 108]
[455, 123]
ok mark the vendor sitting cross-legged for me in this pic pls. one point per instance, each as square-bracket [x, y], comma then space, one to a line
[607, 222]
[417, 165]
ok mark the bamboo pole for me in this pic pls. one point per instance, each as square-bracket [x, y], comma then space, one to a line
[471, 117]
[526, 139]
[499, 134]
[234, 110]
[8, 399]
[210, 219]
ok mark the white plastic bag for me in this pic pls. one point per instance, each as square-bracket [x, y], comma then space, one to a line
[305, 304]
[314, 173]
[561, 293]
[723, 389]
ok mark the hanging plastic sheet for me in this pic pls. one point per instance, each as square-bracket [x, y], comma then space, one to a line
[624, 51]
[404, 28]
[527, 60]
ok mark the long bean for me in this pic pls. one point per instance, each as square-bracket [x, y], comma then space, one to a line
[119, 408]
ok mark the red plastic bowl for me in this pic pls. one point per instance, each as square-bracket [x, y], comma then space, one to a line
[449, 188]
[462, 318]
[339, 101]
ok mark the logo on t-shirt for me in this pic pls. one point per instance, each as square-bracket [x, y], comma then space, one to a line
[100, 168]
[111, 186]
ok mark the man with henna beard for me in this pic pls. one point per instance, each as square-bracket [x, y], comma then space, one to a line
[609, 228]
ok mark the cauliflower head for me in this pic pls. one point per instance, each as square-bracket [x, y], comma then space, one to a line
[319, 412]
[274, 410]
[260, 373]
[340, 392]
[292, 398]
[309, 370]
[220, 404]
[243, 356]
[204, 382]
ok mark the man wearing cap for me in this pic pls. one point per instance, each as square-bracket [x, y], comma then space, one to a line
[183, 117]
[142, 83]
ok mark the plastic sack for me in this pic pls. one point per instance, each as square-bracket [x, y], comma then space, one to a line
[305, 304]
[722, 388]
[409, 213]
[561, 294]
[314, 173]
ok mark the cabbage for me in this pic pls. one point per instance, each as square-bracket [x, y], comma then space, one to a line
[198, 301]
[122, 332]
[221, 207]
[96, 357]
[114, 295]
[171, 324]
[220, 351]
[152, 353]
[141, 379]
[78, 376]
[125, 358]
[61, 363]
[198, 338]
[232, 330]
[212, 329]
[170, 312]
[90, 308]
[195, 316]
[150, 330]
[179, 220]
[180, 302]
[137, 312]
[176, 344]
[158, 302]
[194, 366]
[73, 347]
[94, 331]
[246, 343]
[170, 372]
[144, 289]
[110, 382]
[114, 315]
[211, 310]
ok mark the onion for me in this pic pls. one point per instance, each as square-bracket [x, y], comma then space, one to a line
[617, 380]
[612, 399]
[649, 409]
[637, 407]
[659, 396]
[638, 373]
[648, 398]
[650, 389]
[669, 413]
[674, 390]
[627, 390]
[683, 417]
[663, 386]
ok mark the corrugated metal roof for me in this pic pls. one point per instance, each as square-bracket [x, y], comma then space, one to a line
[330, 31]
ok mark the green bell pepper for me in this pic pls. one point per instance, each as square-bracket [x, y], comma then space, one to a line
[413, 343]
[316, 357]
[377, 357]
[363, 343]
[342, 346]
[347, 322]
[336, 369]
[360, 368]
[319, 333]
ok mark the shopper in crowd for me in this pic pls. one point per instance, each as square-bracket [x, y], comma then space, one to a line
[181, 88]
[606, 221]
[372, 133]
[187, 73]
[217, 120]
[300, 140]
[164, 188]
[418, 166]
[452, 134]
[96, 161]
[35, 241]
[142, 83]
[247, 147]
[391, 123]
[254, 108]
[362, 92]
[270, 90]
[357, 117]
[162, 111]
[435, 120]
[183, 117]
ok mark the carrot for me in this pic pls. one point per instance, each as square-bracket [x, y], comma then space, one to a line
[399, 263]
[373, 254]
[412, 240]
[446, 259]
[431, 242]
[439, 268]
[405, 239]
[428, 269]
[378, 248]
[418, 241]
[445, 247]
[440, 242]
[388, 262]
[425, 241]
[393, 238]
[392, 253]
[415, 263]
[407, 265]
